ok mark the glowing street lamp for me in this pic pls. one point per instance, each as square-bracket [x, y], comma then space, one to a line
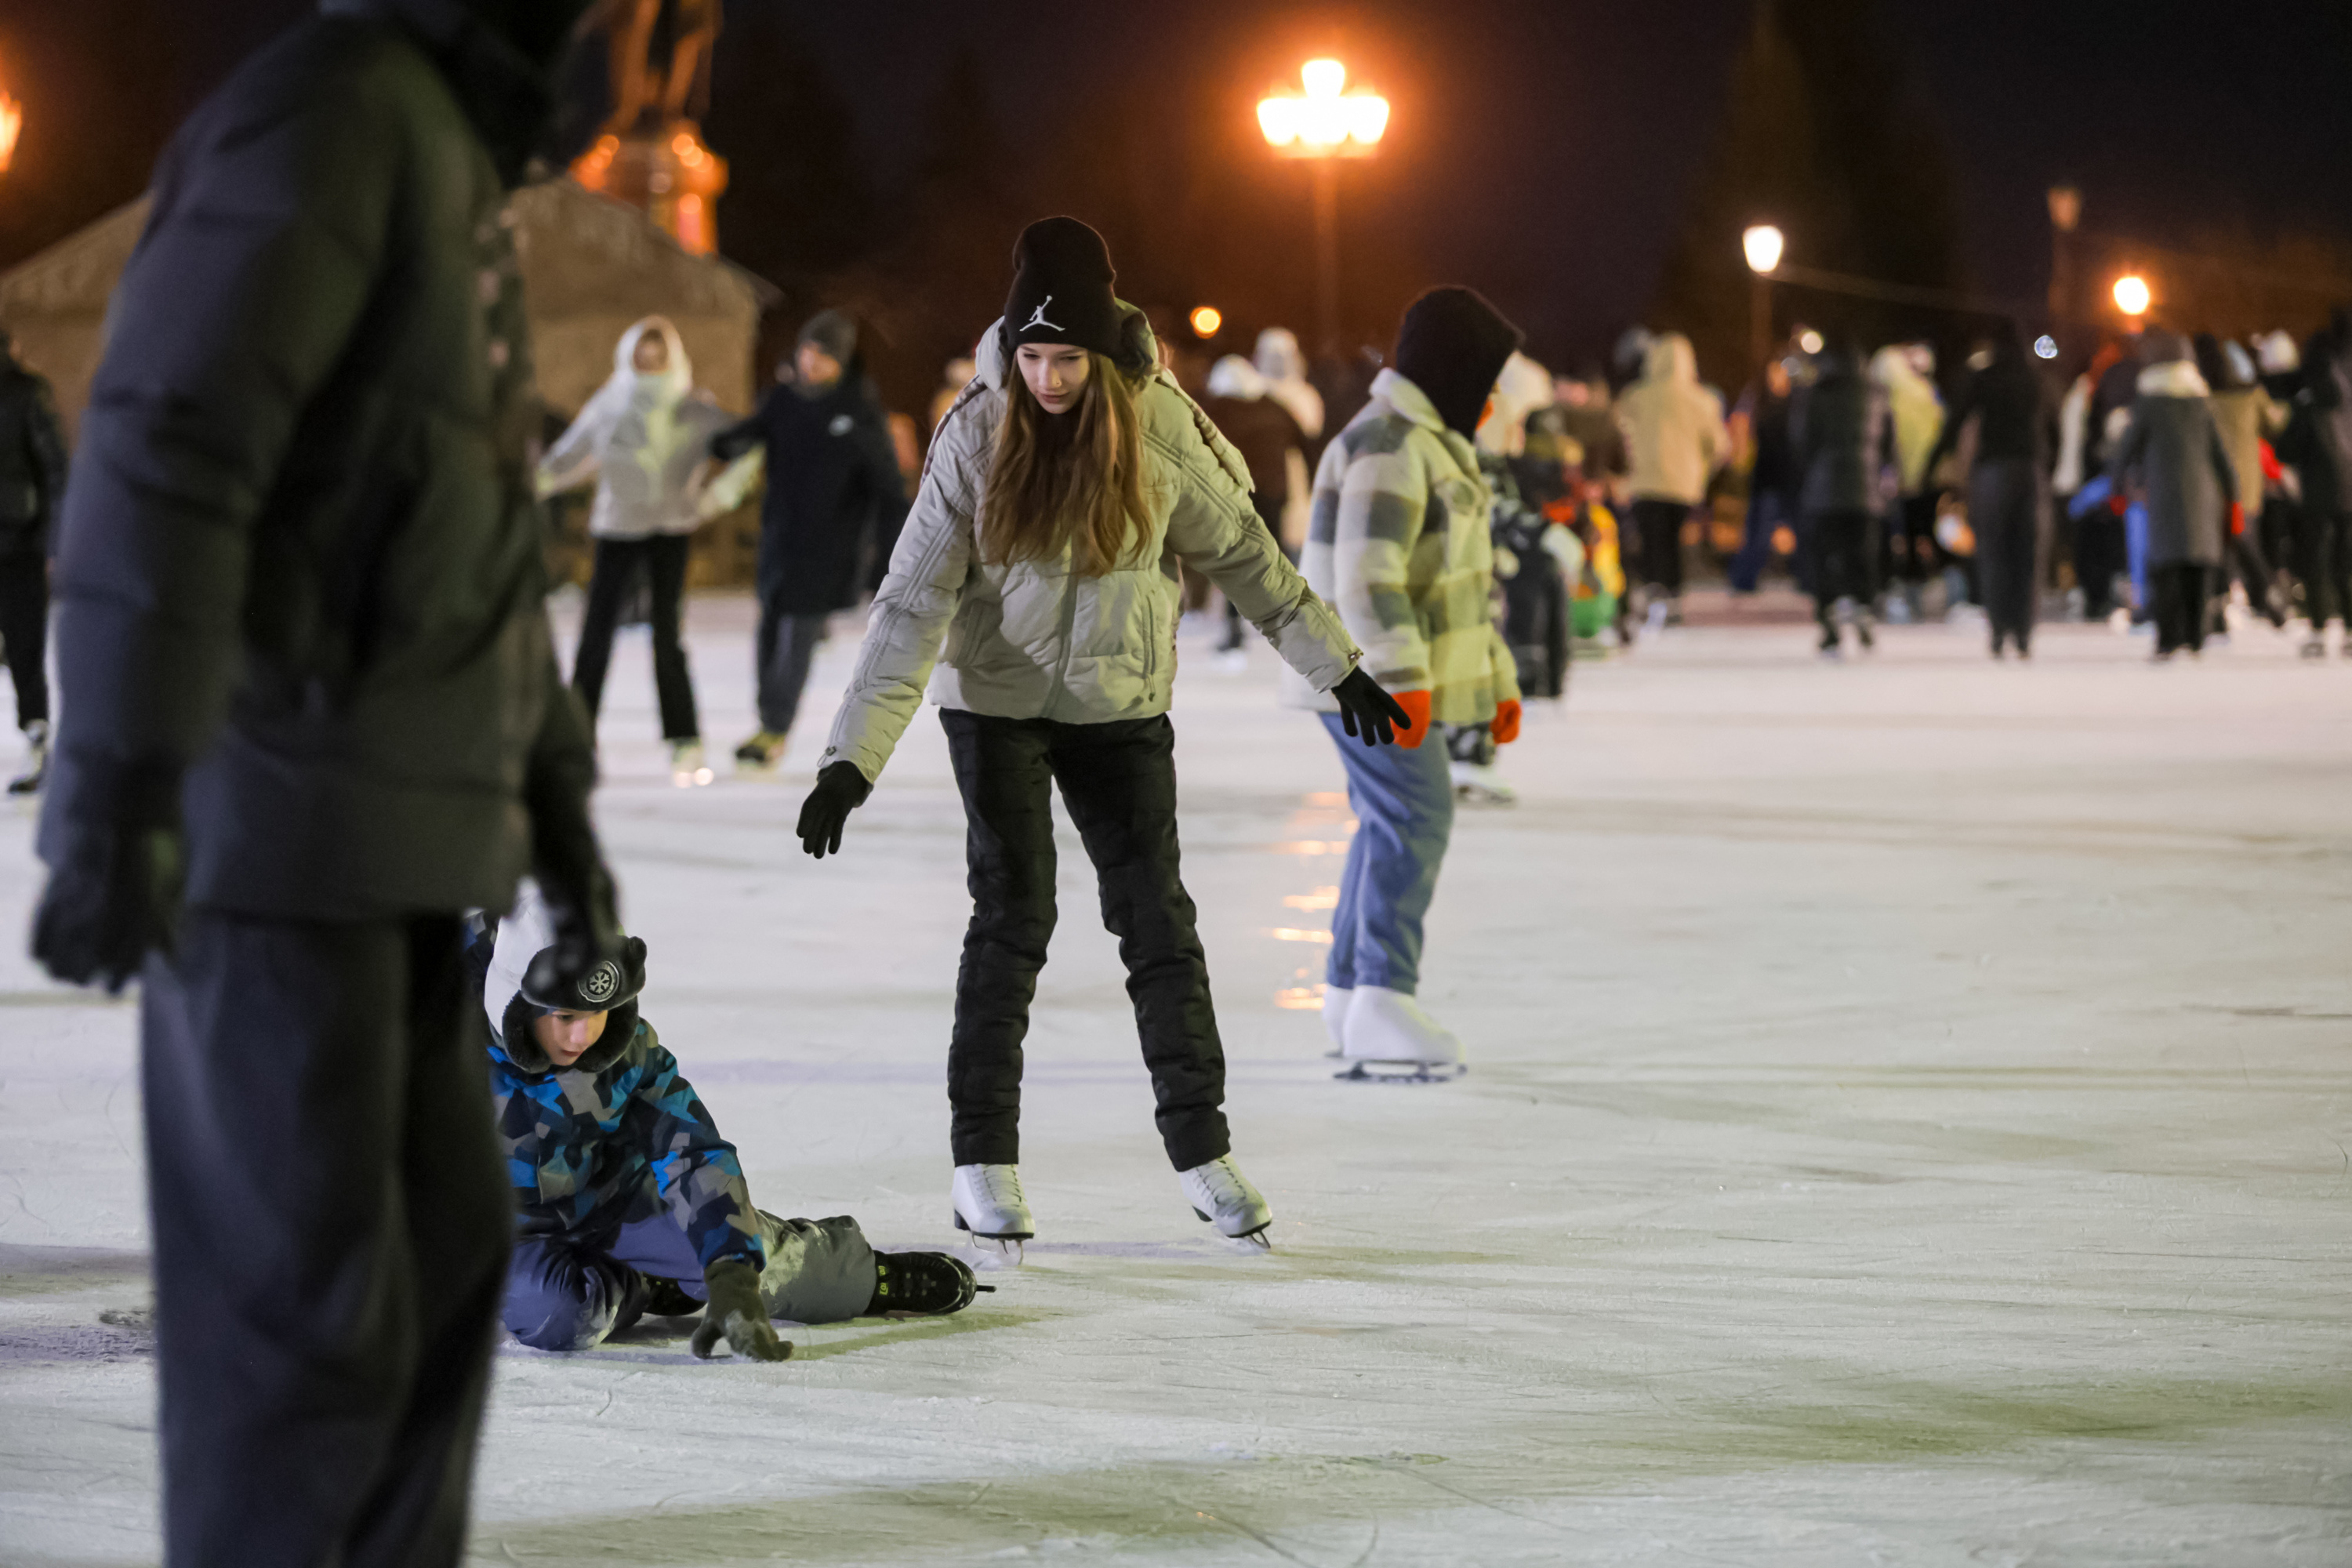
[1763, 243]
[1327, 123]
[12, 120]
[2132, 296]
[1206, 319]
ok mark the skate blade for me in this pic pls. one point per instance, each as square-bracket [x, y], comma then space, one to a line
[1006, 1245]
[1402, 1072]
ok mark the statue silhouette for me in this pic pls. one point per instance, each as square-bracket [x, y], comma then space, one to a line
[660, 58]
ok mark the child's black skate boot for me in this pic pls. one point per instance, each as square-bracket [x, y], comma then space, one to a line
[928, 1284]
[667, 1298]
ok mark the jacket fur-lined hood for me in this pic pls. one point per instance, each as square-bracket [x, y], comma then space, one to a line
[2173, 378]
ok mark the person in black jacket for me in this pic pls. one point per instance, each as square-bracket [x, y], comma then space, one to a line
[2008, 503]
[833, 474]
[311, 714]
[1840, 437]
[32, 487]
[2317, 443]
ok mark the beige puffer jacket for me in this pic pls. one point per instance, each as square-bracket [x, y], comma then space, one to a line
[1034, 640]
[1674, 427]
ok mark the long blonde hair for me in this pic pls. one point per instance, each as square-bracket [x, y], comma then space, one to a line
[1073, 482]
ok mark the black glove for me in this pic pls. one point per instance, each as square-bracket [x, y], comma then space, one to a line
[113, 896]
[841, 789]
[1369, 712]
[735, 1313]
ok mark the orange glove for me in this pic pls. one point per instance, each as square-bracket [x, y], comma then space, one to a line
[2237, 518]
[1416, 704]
[1506, 726]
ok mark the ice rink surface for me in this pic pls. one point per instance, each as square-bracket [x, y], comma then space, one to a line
[1908, 1124]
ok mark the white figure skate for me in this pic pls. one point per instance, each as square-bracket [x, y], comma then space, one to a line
[688, 769]
[989, 1207]
[1336, 999]
[1482, 783]
[1390, 1040]
[1223, 1197]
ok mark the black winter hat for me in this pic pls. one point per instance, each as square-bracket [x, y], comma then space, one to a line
[834, 332]
[1453, 344]
[600, 990]
[1061, 289]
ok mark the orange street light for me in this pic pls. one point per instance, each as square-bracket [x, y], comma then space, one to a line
[12, 120]
[2132, 295]
[1763, 244]
[1206, 319]
[1326, 122]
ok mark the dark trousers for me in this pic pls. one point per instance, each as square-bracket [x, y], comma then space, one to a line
[1658, 535]
[2324, 562]
[2099, 555]
[1840, 545]
[786, 646]
[330, 1224]
[2005, 511]
[1119, 784]
[2178, 589]
[618, 560]
[25, 630]
[1535, 624]
[1767, 508]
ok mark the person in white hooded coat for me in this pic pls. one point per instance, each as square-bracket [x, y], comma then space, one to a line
[642, 438]
[1674, 440]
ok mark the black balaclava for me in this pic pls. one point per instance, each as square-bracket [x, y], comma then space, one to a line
[1453, 345]
[1061, 289]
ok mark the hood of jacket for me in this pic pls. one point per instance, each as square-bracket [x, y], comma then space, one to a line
[1522, 388]
[2173, 378]
[501, 57]
[523, 934]
[677, 381]
[1670, 358]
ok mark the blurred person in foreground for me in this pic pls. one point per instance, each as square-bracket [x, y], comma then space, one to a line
[311, 714]
[1402, 548]
[1674, 440]
[2007, 497]
[32, 489]
[2172, 453]
[832, 475]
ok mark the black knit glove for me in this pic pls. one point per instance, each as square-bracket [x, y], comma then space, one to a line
[1369, 712]
[735, 1313]
[111, 835]
[841, 789]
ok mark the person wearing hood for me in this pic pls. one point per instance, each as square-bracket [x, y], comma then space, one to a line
[1034, 592]
[630, 1201]
[642, 439]
[2008, 503]
[1840, 441]
[2173, 453]
[32, 488]
[1908, 546]
[2248, 418]
[1402, 545]
[1279, 361]
[2317, 443]
[834, 488]
[310, 715]
[1674, 440]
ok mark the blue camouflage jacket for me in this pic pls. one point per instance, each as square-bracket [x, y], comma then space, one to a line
[618, 1137]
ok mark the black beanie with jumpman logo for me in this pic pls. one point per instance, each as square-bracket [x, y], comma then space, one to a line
[1061, 289]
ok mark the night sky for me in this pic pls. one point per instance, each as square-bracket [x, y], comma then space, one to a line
[1540, 150]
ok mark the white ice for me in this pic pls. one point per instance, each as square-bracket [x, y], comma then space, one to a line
[1908, 1123]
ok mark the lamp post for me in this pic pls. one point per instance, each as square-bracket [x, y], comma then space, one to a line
[1763, 243]
[1326, 123]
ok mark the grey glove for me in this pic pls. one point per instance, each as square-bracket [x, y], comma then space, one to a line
[735, 1313]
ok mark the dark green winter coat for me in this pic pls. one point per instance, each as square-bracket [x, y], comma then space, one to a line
[2173, 451]
[299, 581]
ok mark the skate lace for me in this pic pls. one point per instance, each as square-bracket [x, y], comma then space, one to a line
[1223, 1177]
[1001, 1186]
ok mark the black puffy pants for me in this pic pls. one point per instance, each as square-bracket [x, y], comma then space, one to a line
[1119, 784]
[1842, 560]
[2005, 513]
[2179, 589]
[331, 1224]
[2324, 562]
[25, 630]
[662, 558]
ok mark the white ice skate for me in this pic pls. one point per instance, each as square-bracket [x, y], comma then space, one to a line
[988, 1206]
[1336, 999]
[1223, 1196]
[687, 767]
[1482, 783]
[1391, 1039]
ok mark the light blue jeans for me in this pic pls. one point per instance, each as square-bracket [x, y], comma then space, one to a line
[1404, 816]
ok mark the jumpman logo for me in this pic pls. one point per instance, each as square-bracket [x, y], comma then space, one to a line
[1037, 319]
